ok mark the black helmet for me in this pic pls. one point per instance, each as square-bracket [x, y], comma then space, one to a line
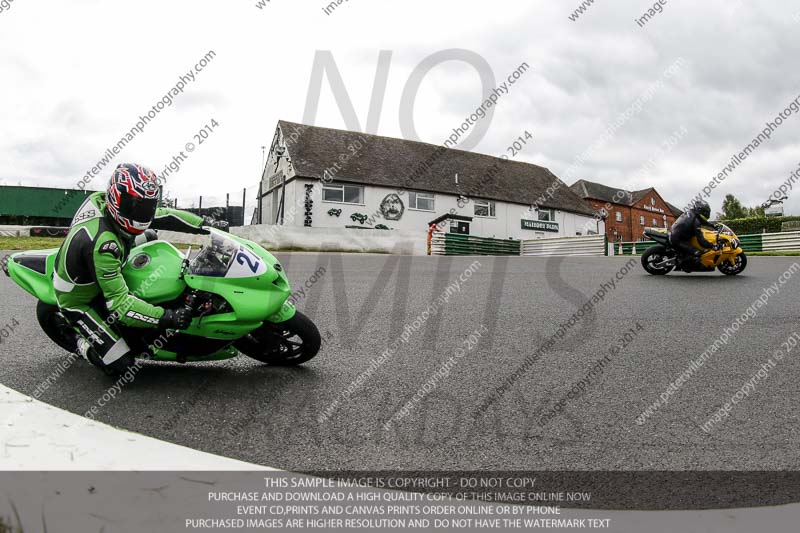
[702, 208]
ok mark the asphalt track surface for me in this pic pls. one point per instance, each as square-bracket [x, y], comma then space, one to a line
[270, 416]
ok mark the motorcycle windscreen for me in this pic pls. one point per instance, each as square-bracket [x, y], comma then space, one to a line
[227, 258]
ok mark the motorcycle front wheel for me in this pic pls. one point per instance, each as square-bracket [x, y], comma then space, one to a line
[289, 343]
[652, 257]
[737, 268]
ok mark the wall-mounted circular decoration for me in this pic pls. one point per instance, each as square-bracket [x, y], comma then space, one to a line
[392, 207]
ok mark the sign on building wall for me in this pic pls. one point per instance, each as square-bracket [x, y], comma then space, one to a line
[540, 225]
[275, 180]
[653, 208]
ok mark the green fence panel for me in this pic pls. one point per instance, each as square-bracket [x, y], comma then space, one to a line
[752, 243]
[40, 201]
[457, 244]
[644, 245]
[627, 247]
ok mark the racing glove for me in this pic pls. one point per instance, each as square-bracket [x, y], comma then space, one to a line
[175, 319]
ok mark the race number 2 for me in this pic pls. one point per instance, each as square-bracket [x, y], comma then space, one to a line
[244, 257]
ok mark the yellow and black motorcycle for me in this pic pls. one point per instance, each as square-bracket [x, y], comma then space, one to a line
[662, 258]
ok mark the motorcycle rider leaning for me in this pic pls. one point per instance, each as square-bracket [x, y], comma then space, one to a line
[690, 224]
[90, 290]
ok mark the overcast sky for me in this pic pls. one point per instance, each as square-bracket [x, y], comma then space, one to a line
[77, 75]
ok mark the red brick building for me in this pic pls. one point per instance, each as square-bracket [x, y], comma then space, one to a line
[627, 213]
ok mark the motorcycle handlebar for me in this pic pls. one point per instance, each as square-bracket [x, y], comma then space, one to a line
[189, 303]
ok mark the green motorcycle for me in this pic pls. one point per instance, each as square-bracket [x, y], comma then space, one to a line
[236, 290]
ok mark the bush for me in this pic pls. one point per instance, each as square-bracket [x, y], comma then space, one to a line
[751, 225]
[6, 527]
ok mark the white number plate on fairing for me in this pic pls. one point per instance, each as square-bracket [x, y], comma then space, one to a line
[246, 264]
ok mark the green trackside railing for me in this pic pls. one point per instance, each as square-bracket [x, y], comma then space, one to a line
[456, 244]
[752, 243]
[627, 247]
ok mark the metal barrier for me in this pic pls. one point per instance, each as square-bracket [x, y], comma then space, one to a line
[457, 244]
[590, 245]
[789, 240]
[15, 231]
[33, 231]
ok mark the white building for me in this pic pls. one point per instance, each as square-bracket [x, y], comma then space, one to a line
[326, 178]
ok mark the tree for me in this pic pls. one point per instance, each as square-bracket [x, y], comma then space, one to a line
[168, 201]
[732, 208]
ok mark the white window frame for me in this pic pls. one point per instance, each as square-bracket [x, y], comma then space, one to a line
[641, 220]
[491, 208]
[619, 216]
[341, 187]
[551, 215]
[655, 222]
[413, 202]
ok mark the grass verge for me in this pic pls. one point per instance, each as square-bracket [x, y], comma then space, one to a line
[29, 243]
[6, 527]
[43, 243]
[787, 253]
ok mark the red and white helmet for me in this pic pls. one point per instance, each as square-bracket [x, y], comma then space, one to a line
[132, 197]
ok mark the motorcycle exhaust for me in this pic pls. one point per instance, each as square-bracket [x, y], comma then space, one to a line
[668, 263]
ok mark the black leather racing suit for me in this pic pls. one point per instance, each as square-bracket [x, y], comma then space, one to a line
[689, 225]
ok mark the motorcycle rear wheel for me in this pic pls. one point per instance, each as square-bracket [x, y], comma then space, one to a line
[731, 270]
[289, 343]
[654, 255]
